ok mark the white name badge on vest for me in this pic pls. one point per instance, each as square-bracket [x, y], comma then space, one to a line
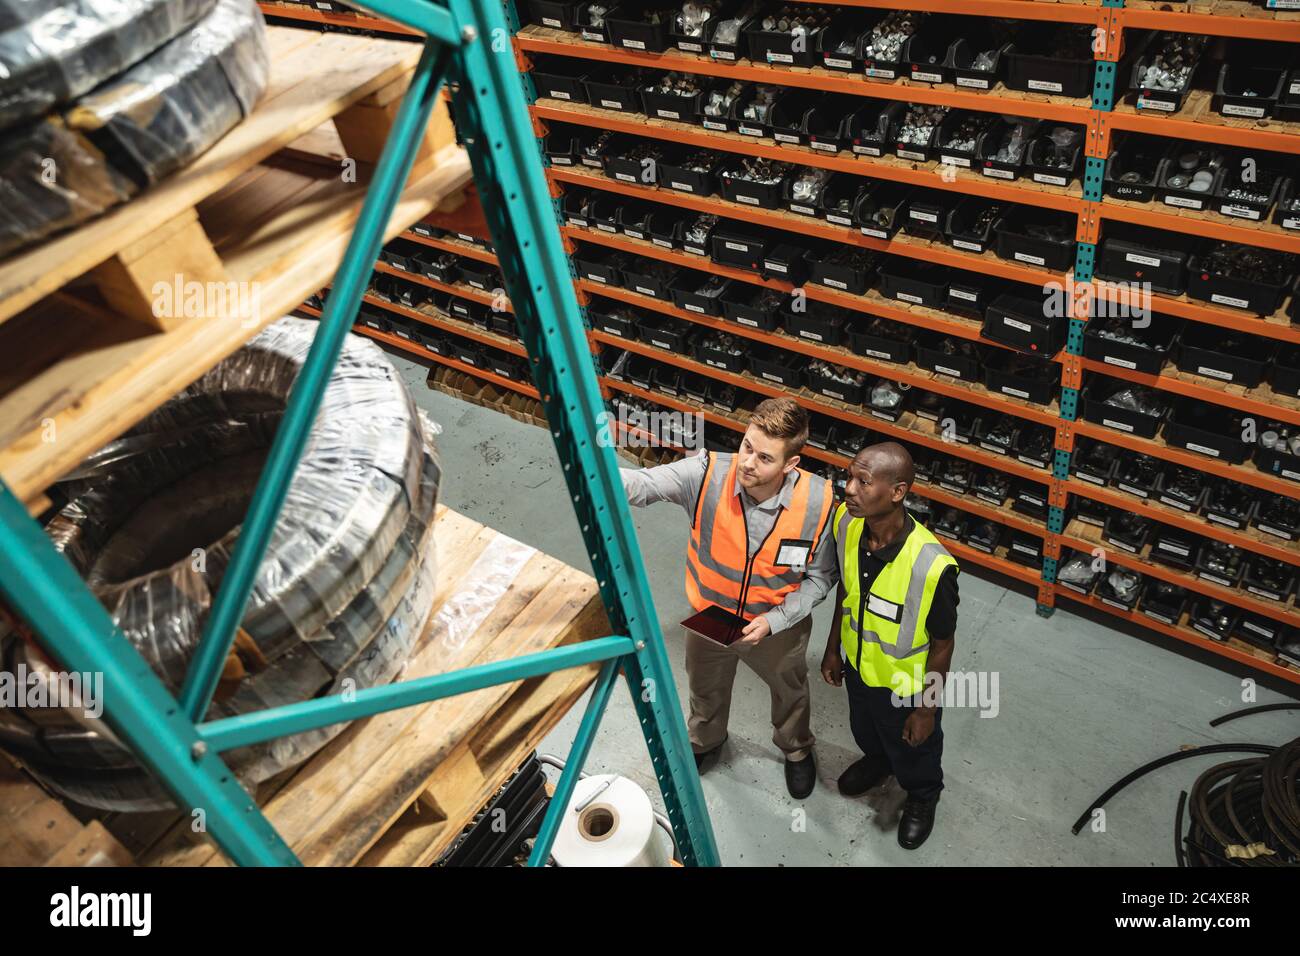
[882, 608]
[793, 553]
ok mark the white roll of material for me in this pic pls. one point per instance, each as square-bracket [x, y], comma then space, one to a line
[616, 828]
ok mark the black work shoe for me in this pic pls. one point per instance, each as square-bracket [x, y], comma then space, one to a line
[917, 821]
[800, 776]
[866, 774]
[705, 760]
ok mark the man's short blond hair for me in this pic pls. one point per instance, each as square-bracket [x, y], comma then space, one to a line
[782, 418]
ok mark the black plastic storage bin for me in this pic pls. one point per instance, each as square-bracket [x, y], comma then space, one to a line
[1210, 430]
[603, 211]
[376, 319]
[467, 352]
[708, 351]
[481, 275]
[732, 245]
[1206, 163]
[614, 88]
[398, 253]
[697, 41]
[640, 26]
[699, 292]
[826, 123]
[592, 26]
[839, 199]
[957, 358]
[751, 193]
[926, 52]
[753, 306]
[914, 281]
[1247, 90]
[557, 16]
[969, 294]
[881, 208]
[1021, 376]
[789, 261]
[1213, 276]
[1132, 253]
[927, 213]
[647, 277]
[598, 264]
[879, 67]
[819, 179]
[1224, 355]
[751, 109]
[871, 129]
[664, 332]
[979, 36]
[840, 45]
[972, 224]
[817, 323]
[1134, 166]
[880, 339]
[613, 319]
[633, 218]
[786, 120]
[1187, 49]
[919, 150]
[1055, 154]
[773, 46]
[1095, 409]
[1006, 133]
[1017, 244]
[846, 268]
[665, 226]
[1287, 214]
[658, 103]
[1035, 66]
[1285, 376]
[632, 160]
[693, 171]
[1250, 189]
[1149, 358]
[560, 78]
[1023, 324]
[958, 139]
[776, 365]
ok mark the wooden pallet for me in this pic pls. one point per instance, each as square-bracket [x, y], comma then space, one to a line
[398, 788]
[268, 208]
[37, 830]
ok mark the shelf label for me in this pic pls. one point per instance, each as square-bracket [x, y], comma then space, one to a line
[593, 35]
[1045, 86]
[1122, 363]
[993, 500]
[606, 227]
[1024, 549]
[1264, 631]
[593, 163]
[1232, 109]
[1122, 607]
[1037, 463]
[561, 161]
[1229, 300]
[773, 378]
[949, 486]
[973, 82]
[1207, 576]
[1159, 617]
[625, 177]
[1122, 426]
[597, 278]
[1293, 475]
[968, 245]
[927, 77]
[1241, 212]
[775, 267]
[1121, 544]
[635, 234]
[613, 330]
[1072, 587]
[832, 393]
[1039, 502]
[722, 54]
[994, 448]
[1206, 631]
[747, 321]
[837, 63]
[1214, 373]
[998, 173]
[867, 150]
[1184, 202]
[662, 242]
[1032, 260]
[684, 187]
[694, 308]
[1212, 452]
[887, 416]
[779, 57]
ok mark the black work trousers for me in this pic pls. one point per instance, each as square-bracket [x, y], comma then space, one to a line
[877, 725]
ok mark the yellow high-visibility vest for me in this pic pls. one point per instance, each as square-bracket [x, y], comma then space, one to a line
[883, 632]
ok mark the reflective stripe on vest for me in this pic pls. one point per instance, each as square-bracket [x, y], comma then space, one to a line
[886, 652]
[719, 569]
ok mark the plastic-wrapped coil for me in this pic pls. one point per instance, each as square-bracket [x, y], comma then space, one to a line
[52, 51]
[341, 593]
[134, 129]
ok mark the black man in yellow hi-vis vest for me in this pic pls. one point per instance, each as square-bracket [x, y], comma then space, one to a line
[891, 638]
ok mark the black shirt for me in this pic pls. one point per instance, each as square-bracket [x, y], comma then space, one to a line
[941, 623]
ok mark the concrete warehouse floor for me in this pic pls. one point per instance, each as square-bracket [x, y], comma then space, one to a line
[1081, 704]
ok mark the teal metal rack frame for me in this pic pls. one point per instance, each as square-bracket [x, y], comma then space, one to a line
[467, 42]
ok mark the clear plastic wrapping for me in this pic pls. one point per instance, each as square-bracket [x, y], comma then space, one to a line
[134, 129]
[342, 591]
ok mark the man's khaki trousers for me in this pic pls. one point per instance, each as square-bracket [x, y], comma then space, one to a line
[779, 659]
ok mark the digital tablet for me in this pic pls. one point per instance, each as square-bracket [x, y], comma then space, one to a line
[717, 624]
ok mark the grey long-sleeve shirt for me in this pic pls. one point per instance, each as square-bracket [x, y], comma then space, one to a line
[680, 482]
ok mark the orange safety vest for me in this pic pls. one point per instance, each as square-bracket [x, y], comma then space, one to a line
[718, 567]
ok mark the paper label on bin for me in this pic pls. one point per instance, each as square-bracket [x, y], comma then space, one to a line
[954, 160]
[612, 104]
[879, 74]
[714, 124]
[694, 308]
[773, 378]
[1134, 490]
[779, 57]
[662, 242]
[1229, 300]
[887, 416]
[775, 266]
[1232, 109]
[1050, 180]
[1024, 549]
[1140, 259]
[1165, 106]
[715, 362]
[832, 393]
[594, 163]
[596, 278]
[1122, 363]
[748, 200]
[948, 371]
[1184, 202]
[839, 220]
[625, 177]
[1122, 607]
[560, 95]
[668, 114]
[872, 353]
[644, 291]
[1212, 452]
[722, 54]
[867, 150]
[606, 227]
[749, 131]
[744, 321]
[806, 210]
[911, 154]
[1252, 626]
[635, 234]
[1090, 478]
[1031, 499]
[684, 187]
[926, 77]
[837, 63]
[957, 489]
[593, 35]
[1122, 426]
[1207, 576]
[963, 295]
[561, 161]
[1180, 505]
[1032, 461]
[690, 47]
[634, 44]
[992, 447]
[785, 138]
[1262, 592]
[998, 173]
[1045, 86]
[825, 147]
[1121, 544]
[1223, 519]
[1016, 324]
[1033, 260]
[908, 297]
[973, 82]
[1214, 373]
[1293, 475]
[923, 216]
[737, 246]
[965, 244]
[1018, 393]
[1241, 212]
[810, 335]
[612, 330]
[877, 233]
[836, 283]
